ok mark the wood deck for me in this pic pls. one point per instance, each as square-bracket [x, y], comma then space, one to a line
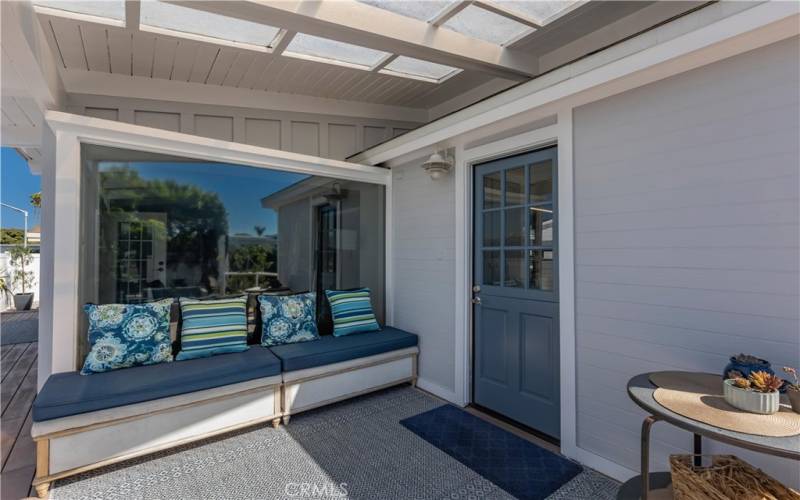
[17, 390]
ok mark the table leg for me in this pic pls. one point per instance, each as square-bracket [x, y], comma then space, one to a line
[698, 450]
[645, 466]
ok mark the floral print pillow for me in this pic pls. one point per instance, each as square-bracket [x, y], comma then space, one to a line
[124, 335]
[288, 319]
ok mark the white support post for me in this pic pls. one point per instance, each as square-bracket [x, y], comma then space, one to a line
[566, 283]
[463, 244]
[66, 258]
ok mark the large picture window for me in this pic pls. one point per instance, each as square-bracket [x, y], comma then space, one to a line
[157, 226]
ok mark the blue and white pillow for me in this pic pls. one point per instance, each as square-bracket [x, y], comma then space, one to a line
[210, 327]
[288, 319]
[352, 311]
[124, 335]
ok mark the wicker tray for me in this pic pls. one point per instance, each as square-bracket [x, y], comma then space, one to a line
[724, 478]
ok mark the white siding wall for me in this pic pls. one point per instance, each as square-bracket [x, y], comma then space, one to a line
[328, 136]
[423, 239]
[686, 231]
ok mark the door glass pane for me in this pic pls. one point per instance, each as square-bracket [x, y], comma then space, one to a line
[491, 190]
[515, 186]
[540, 267]
[491, 229]
[541, 179]
[515, 269]
[541, 232]
[515, 226]
[491, 267]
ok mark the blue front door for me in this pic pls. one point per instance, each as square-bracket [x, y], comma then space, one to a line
[515, 292]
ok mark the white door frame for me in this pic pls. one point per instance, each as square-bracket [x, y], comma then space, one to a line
[65, 171]
[559, 135]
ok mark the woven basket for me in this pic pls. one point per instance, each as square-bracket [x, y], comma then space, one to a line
[725, 478]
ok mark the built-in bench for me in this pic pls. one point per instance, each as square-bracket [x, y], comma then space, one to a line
[334, 368]
[85, 422]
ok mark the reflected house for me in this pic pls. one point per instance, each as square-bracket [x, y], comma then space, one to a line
[331, 236]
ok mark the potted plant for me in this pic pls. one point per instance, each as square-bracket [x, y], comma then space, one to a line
[793, 388]
[742, 365]
[22, 279]
[5, 290]
[758, 393]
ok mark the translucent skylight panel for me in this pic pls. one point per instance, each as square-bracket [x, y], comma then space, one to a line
[424, 10]
[416, 67]
[111, 9]
[540, 10]
[484, 25]
[198, 22]
[332, 50]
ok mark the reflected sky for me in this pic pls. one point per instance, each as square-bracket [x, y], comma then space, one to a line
[239, 187]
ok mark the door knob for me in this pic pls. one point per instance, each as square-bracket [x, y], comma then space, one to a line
[476, 288]
[476, 301]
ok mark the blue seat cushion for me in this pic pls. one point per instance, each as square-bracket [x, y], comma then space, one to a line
[71, 393]
[329, 349]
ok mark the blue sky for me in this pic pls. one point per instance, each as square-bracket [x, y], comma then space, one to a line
[17, 185]
[240, 188]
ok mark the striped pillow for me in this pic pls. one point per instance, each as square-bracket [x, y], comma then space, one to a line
[212, 327]
[351, 311]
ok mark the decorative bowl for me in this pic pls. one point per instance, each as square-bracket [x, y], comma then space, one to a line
[764, 403]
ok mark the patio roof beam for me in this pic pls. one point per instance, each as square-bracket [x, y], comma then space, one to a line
[284, 39]
[450, 11]
[384, 62]
[376, 28]
[508, 13]
[133, 9]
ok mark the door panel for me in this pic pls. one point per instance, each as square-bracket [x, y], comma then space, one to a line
[516, 370]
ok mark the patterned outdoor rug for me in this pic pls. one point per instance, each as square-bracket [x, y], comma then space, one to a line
[355, 449]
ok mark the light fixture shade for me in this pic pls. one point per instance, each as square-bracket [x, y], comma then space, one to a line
[437, 166]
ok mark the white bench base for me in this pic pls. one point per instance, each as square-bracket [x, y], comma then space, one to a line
[75, 444]
[314, 387]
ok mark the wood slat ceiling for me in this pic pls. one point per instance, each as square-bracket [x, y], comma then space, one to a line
[85, 46]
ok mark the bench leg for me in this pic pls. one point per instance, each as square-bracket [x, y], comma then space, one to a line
[286, 419]
[42, 490]
[276, 422]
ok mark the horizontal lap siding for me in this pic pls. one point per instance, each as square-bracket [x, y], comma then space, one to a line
[423, 242]
[686, 232]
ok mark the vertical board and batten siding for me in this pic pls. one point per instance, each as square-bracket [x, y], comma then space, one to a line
[423, 239]
[686, 239]
[328, 136]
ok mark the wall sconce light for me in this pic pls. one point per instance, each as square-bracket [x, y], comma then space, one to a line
[438, 165]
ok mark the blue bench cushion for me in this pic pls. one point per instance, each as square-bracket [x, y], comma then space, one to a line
[71, 393]
[329, 349]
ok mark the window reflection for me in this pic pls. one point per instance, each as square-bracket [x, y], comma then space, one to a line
[173, 227]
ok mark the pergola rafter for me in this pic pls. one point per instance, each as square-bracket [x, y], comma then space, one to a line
[376, 28]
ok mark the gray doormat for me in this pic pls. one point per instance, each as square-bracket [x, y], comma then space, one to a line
[355, 449]
[19, 327]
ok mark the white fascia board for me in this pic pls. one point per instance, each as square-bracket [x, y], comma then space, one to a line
[114, 85]
[758, 26]
[128, 136]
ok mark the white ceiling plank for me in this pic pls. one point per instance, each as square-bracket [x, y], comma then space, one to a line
[351, 77]
[120, 45]
[144, 45]
[204, 59]
[390, 97]
[164, 57]
[105, 84]
[288, 81]
[69, 41]
[184, 60]
[222, 66]
[385, 31]
[95, 43]
[272, 72]
[253, 73]
[240, 65]
[14, 112]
